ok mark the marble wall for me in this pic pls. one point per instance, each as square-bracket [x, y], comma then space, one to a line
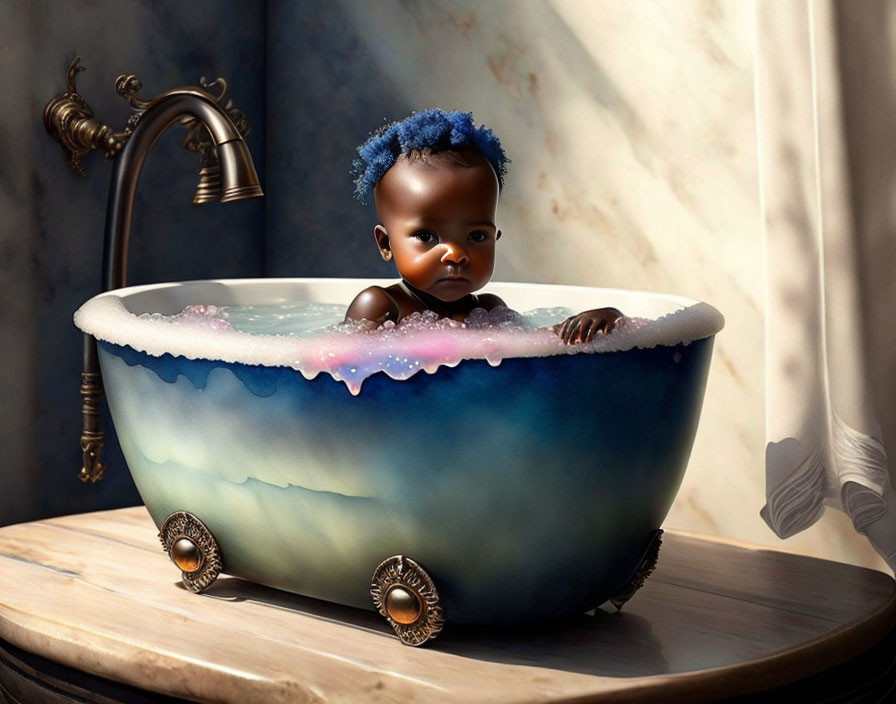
[631, 129]
[632, 133]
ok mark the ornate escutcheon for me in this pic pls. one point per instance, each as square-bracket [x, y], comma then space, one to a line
[406, 596]
[193, 548]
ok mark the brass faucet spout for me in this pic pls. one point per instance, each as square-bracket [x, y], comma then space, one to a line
[239, 179]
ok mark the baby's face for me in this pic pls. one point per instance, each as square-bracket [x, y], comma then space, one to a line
[438, 222]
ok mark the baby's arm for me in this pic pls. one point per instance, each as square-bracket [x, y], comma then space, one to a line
[373, 305]
[584, 326]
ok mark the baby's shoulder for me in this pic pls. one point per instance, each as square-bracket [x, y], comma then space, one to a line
[374, 303]
[489, 301]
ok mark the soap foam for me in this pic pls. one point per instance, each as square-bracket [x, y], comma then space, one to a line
[350, 352]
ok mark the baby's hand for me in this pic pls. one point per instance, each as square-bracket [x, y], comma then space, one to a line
[584, 326]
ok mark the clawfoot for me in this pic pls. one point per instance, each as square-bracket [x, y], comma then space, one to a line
[193, 548]
[406, 596]
[648, 564]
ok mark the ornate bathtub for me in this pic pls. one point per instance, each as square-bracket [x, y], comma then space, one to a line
[522, 492]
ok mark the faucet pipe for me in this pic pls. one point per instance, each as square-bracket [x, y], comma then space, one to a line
[239, 180]
[227, 174]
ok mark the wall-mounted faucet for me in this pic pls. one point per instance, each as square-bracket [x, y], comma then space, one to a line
[215, 130]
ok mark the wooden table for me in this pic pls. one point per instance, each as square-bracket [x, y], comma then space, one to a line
[96, 593]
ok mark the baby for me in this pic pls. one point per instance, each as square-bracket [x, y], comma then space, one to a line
[436, 179]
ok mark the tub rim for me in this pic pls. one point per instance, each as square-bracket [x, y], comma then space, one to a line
[100, 316]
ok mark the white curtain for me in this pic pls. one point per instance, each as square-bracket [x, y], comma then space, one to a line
[824, 444]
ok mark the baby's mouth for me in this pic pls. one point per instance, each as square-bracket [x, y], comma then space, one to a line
[453, 274]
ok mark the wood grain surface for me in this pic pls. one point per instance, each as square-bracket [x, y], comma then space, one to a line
[96, 592]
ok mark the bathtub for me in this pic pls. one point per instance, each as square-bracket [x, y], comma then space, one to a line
[523, 492]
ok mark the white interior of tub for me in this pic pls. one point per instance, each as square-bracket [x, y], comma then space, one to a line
[655, 319]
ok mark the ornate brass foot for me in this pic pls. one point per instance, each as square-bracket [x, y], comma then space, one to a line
[648, 564]
[193, 548]
[405, 595]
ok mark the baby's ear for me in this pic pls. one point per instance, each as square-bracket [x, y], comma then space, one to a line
[382, 242]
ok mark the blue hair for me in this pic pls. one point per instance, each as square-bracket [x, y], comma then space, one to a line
[430, 131]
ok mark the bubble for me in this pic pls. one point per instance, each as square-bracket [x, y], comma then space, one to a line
[209, 316]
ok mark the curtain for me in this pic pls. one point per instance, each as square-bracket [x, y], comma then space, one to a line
[824, 444]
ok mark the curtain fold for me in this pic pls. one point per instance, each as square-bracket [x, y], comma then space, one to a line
[824, 444]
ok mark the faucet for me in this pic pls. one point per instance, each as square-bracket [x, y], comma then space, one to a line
[216, 130]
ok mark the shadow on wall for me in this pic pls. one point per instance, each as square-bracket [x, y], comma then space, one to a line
[52, 231]
[326, 92]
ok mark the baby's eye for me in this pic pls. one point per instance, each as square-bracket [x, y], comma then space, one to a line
[425, 236]
[478, 236]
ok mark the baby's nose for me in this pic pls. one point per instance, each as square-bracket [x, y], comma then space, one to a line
[454, 254]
